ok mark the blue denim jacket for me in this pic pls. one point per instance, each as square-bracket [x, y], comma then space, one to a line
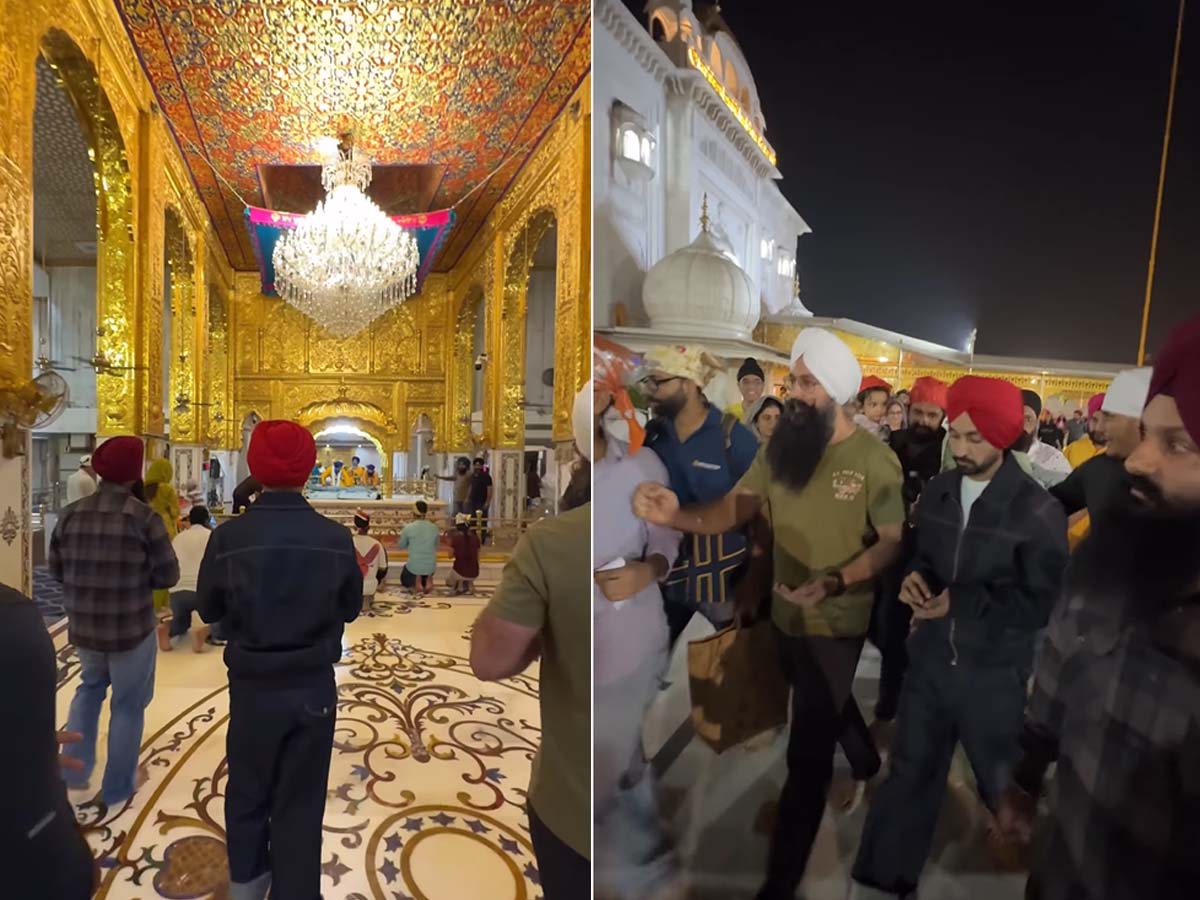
[282, 580]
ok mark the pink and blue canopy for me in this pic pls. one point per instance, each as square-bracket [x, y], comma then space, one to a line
[266, 225]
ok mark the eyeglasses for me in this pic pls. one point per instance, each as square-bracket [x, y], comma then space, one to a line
[791, 382]
[652, 385]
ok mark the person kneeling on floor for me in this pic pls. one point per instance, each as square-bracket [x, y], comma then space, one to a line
[189, 545]
[464, 544]
[420, 538]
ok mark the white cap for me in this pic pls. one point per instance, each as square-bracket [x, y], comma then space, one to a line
[831, 361]
[582, 422]
[85, 460]
[1127, 394]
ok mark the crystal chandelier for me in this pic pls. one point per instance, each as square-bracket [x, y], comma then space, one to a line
[346, 263]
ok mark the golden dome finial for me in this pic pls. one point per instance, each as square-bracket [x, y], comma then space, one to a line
[704, 220]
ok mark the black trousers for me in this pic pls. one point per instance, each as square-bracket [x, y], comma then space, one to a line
[279, 744]
[890, 625]
[564, 874]
[982, 707]
[824, 714]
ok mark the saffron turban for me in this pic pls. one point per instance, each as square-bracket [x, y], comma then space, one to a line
[1128, 393]
[874, 383]
[282, 454]
[1095, 402]
[831, 362]
[119, 459]
[929, 390]
[612, 367]
[996, 407]
[1177, 374]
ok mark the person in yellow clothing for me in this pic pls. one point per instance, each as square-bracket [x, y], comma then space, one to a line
[337, 475]
[371, 479]
[358, 475]
[161, 497]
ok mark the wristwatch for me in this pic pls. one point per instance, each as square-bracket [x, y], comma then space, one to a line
[839, 582]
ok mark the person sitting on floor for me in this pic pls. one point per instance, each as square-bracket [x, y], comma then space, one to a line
[372, 558]
[420, 538]
[464, 544]
[189, 545]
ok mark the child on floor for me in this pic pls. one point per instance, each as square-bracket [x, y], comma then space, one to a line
[464, 545]
[372, 558]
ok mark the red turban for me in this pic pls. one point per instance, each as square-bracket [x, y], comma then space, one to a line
[874, 383]
[119, 459]
[1094, 404]
[996, 407]
[1177, 374]
[282, 454]
[928, 390]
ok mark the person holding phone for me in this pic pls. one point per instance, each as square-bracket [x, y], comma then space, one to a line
[991, 549]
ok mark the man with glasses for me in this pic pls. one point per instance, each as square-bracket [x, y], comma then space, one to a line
[706, 452]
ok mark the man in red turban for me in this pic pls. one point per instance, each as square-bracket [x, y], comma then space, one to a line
[1119, 714]
[283, 580]
[111, 552]
[991, 547]
[119, 459]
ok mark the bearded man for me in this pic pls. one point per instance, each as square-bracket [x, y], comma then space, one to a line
[1047, 463]
[832, 495]
[1116, 697]
[1080, 451]
[991, 550]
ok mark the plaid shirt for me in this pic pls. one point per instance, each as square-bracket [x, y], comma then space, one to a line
[1117, 704]
[111, 551]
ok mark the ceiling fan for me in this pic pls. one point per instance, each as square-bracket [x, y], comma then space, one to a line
[184, 404]
[101, 363]
[45, 364]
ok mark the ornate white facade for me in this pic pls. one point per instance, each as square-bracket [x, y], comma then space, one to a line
[677, 120]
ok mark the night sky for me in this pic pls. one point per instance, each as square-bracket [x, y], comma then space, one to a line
[996, 167]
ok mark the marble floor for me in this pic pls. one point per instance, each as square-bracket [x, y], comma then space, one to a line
[427, 784]
[721, 809]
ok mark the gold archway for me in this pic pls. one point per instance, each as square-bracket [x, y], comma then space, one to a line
[115, 249]
[512, 324]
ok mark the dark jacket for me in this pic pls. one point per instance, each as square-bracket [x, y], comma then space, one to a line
[282, 579]
[1004, 570]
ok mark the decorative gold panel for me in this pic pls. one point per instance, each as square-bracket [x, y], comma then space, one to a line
[395, 343]
[462, 373]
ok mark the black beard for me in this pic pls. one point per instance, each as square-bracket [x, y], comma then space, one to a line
[1141, 554]
[923, 434]
[1024, 442]
[668, 407]
[795, 449]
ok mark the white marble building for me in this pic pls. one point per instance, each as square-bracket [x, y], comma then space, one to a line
[678, 121]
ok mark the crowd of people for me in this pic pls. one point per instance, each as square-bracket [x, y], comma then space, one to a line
[275, 585]
[937, 522]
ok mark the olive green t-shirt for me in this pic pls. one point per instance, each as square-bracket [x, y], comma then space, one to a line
[855, 490]
[547, 585]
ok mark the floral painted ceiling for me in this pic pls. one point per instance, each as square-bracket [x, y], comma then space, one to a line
[439, 94]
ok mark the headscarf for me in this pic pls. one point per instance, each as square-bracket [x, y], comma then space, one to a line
[1128, 393]
[612, 367]
[693, 362]
[831, 362]
[874, 383]
[281, 454]
[929, 390]
[996, 407]
[119, 459]
[1177, 374]
[750, 367]
[581, 420]
[1094, 404]
[758, 405]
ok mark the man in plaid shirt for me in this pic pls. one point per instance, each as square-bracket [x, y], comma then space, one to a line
[1116, 701]
[111, 551]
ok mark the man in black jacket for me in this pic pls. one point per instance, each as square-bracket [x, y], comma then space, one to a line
[991, 550]
[283, 580]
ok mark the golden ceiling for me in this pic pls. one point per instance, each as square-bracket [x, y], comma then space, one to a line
[454, 87]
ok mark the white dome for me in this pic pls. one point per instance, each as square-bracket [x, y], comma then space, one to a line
[700, 291]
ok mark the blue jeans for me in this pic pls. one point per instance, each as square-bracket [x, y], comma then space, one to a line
[131, 674]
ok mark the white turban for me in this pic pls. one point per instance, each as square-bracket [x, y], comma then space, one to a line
[831, 362]
[1127, 394]
[582, 422]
